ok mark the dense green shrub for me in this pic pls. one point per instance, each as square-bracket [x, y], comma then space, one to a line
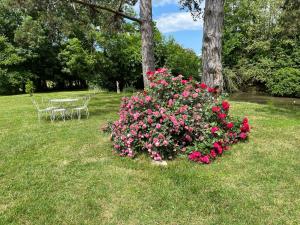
[285, 82]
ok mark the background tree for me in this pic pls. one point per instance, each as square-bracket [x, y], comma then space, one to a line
[145, 21]
[212, 38]
[261, 42]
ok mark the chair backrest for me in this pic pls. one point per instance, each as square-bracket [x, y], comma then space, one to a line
[34, 102]
[86, 101]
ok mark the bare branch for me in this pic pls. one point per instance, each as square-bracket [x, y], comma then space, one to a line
[99, 7]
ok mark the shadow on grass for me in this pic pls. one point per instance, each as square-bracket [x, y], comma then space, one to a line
[280, 111]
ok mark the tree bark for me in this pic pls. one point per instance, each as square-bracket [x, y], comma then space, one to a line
[148, 62]
[212, 43]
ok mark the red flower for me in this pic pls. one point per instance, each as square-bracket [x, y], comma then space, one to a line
[161, 70]
[245, 127]
[229, 125]
[211, 90]
[214, 129]
[203, 86]
[222, 116]
[243, 135]
[213, 153]
[225, 105]
[150, 73]
[218, 147]
[184, 81]
[194, 156]
[245, 120]
[204, 159]
[216, 109]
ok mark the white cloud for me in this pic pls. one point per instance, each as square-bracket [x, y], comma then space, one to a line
[173, 22]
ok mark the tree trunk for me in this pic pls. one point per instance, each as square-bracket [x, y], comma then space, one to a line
[212, 43]
[147, 39]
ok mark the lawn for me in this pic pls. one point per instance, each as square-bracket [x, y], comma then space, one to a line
[66, 173]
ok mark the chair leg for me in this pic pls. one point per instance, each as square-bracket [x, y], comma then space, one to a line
[63, 115]
[79, 114]
[52, 116]
[87, 113]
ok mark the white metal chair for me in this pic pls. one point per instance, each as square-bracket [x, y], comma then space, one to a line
[84, 108]
[41, 111]
[58, 112]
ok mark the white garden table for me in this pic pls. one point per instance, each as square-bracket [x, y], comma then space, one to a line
[64, 100]
[65, 104]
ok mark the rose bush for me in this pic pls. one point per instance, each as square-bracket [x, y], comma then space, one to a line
[176, 116]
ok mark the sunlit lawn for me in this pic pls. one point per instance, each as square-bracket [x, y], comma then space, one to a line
[65, 173]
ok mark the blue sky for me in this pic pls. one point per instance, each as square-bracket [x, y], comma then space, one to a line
[172, 21]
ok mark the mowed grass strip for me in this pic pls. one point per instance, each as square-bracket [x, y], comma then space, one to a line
[66, 172]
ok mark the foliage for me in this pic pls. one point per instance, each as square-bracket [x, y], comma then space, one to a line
[76, 60]
[285, 82]
[29, 87]
[260, 38]
[182, 61]
[173, 114]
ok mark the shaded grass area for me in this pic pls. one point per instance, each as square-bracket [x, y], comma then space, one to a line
[65, 173]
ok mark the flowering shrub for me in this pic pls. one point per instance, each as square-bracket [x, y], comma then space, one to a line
[176, 116]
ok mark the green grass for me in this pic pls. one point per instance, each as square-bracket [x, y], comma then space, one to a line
[66, 173]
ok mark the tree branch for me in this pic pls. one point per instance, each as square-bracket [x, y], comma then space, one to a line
[94, 6]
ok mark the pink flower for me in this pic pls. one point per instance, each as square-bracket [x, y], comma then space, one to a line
[148, 98]
[165, 142]
[170, 103]
[136, 116]
[188, 138]
[195, 95]
[149, 120]
[183, 108]
[158, 126]
[185, 94]
[243, 135]
[176, 96]
[152, 85]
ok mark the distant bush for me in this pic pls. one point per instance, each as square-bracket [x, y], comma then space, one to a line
[129, 89]
[176, 116]
[285, 82]
[29, 87]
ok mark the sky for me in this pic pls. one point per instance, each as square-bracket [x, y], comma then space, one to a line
[172, 21]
